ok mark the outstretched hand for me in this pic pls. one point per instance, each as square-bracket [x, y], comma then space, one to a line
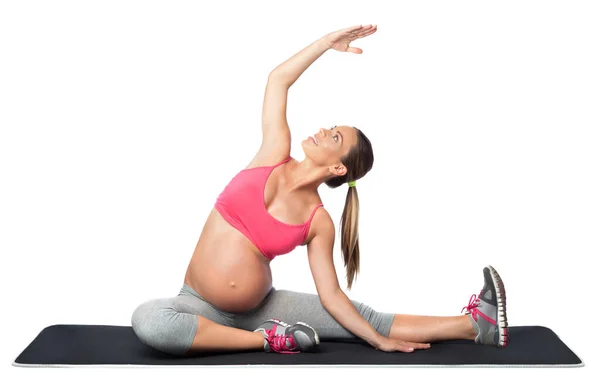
[340, 40]
[393, 345]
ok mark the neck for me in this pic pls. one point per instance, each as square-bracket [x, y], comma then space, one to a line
[305, 175]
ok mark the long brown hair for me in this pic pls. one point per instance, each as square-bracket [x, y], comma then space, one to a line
[358, 161]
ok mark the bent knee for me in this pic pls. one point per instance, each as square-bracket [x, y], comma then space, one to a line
[163, 328]
[144, 321]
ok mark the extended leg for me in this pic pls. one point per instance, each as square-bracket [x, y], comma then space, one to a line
[485, 322]
[292, 307]
[423, 328]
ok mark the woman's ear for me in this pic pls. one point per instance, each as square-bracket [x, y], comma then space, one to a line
[338, 169]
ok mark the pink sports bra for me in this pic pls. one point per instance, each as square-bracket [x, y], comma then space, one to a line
[242, 205]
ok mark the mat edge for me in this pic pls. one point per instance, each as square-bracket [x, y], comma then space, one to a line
[580, 365]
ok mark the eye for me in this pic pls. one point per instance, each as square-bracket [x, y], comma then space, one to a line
[336, 137]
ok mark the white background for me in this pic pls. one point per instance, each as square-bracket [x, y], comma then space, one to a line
[122, 121]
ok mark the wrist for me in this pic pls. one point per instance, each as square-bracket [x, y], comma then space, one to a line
[327, 44]
[377, 340]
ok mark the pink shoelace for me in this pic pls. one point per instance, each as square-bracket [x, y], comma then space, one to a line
[473, 310]
[278, 342]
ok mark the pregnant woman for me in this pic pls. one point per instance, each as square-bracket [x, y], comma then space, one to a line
[227, 301]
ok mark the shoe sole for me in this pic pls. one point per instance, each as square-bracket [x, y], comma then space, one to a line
[501, 298]
[313, 330]
[279, 322]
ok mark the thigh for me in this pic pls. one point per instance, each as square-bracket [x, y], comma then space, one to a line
[291, 307]
[186, 302]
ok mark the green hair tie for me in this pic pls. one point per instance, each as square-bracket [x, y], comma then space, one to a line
[352, 184]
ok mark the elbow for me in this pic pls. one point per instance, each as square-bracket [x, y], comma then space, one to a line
[328, 299]
[276, 76]
[275, 73]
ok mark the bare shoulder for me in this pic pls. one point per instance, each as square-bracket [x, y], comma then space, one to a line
[321, 226]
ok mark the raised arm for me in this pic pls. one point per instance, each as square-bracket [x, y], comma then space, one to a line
[276, 142]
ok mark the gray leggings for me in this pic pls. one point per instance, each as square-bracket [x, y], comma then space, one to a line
[169, 324]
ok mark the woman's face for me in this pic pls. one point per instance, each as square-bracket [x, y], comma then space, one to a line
[330, 145]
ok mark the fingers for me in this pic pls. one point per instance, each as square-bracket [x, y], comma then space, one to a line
[353, 29]
[361, 31]
[390, 345]
[412, 346]
[418, 345]
[367, 31]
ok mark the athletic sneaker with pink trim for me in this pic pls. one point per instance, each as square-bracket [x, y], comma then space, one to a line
[280, 337]
[487, 312]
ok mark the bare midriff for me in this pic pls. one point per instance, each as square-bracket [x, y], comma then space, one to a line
[227, 269]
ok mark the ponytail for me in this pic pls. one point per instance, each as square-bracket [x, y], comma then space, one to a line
[349, 235]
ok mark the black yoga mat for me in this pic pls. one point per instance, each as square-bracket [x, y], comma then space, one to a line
[75, 345]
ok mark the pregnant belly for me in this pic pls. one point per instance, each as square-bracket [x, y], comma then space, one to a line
[226, 270]
[233, 286]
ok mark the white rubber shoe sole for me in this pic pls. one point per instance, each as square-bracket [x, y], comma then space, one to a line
[502, 320]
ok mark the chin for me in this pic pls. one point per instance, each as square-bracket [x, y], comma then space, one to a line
[304, 146]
